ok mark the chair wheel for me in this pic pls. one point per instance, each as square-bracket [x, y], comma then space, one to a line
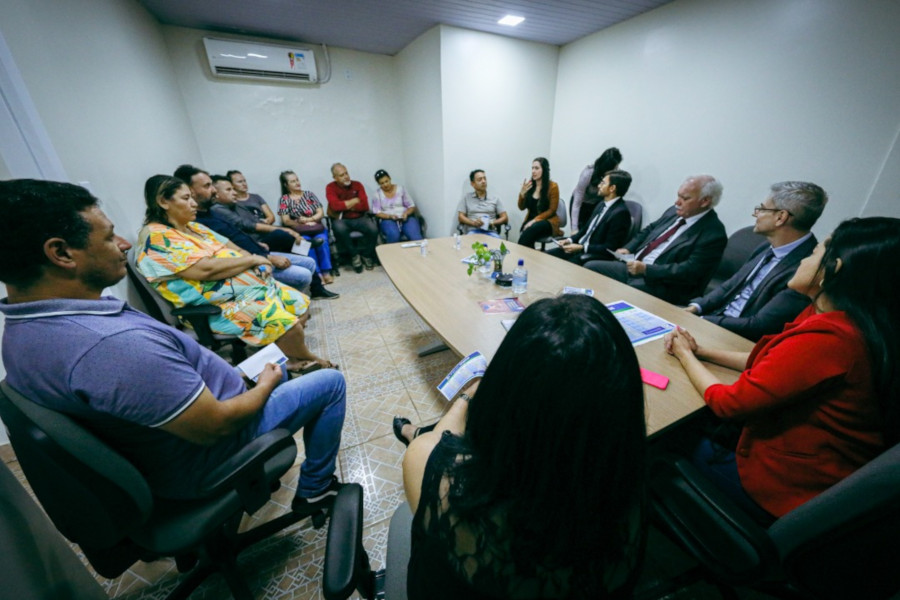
[318, 519]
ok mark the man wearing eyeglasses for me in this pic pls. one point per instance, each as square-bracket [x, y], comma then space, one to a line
[756, 301]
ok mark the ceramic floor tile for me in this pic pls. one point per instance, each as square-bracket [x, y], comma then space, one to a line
[370, 415]
[376, 465]
[429, 403]
[349, 308]
[7, 455]
[407, 333]
[367, 363]
[359, 339]
[382, 303]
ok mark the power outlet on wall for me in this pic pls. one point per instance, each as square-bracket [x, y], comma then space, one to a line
[348, 74]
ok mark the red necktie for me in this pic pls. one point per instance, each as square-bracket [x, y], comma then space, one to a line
[661, 239]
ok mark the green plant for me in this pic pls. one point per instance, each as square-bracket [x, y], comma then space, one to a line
[484, 256]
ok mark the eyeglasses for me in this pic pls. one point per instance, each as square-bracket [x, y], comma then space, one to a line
[761, 208]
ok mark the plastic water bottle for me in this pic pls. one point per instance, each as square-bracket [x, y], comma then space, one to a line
[456, 241]
[520, 278]
[423, 248]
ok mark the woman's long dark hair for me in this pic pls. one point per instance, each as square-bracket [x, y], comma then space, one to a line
[156, 187]
[544, 200]
[606, 162]
[865, 287]
[555, 437]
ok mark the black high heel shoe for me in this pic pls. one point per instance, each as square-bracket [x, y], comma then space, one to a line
[398, 424]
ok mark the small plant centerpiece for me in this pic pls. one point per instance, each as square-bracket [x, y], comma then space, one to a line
[485, 256]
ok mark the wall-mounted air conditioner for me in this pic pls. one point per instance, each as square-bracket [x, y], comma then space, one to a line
[252, 60]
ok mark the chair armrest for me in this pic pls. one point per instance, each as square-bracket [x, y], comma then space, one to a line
[245, 471]
[205, 310]
[718, 533]
[346, 561]
[198, 317]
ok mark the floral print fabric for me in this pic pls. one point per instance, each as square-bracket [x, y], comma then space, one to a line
[255, 308]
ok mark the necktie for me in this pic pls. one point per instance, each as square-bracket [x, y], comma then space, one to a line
[745, 288]
[768, 256]
[592, 226]
[661, 239]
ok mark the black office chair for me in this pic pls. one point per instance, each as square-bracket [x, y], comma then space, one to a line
[100, 501]
[196, 316]
[741, 245]
[839, 545]
[347, 565]
[354, 235]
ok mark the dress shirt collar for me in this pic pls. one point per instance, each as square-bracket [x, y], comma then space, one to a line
[688, 221]
[782, 251]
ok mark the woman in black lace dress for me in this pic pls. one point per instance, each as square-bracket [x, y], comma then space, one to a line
[534, 486]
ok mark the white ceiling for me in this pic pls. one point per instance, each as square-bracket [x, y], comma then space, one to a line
[387, 26]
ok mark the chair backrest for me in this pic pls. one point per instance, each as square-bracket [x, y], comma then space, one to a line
[637, 217]
[740, 246]
[92, 494]
[157, 306]
[842, 543]
[562, 213]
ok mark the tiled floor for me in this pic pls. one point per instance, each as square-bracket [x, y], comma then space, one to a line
[374, 335]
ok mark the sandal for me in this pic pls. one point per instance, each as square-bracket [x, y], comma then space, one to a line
[306, 368]
[398, 424]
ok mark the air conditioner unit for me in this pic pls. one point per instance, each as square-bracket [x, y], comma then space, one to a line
[252, 60]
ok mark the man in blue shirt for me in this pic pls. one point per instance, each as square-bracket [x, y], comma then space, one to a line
[172, 407]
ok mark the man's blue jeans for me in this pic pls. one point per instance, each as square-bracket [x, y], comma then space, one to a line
[299, 274]
[315, 402]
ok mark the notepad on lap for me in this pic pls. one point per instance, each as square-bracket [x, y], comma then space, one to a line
[254, 365]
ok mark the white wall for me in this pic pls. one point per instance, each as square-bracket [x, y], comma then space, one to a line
[498, 103]
[264, 128]
[102, 83]
[751, 92]
[421, 128]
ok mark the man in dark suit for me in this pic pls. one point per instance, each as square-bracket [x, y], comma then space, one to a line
[675, 256]
[755, 301]
[607, 228]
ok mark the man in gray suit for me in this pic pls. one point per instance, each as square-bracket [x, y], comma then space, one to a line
[755, 301]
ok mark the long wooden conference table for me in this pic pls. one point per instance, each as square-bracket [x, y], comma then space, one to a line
[439, 290]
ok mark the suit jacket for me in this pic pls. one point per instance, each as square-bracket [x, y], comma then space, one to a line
[610, 234]
[771, 305]
[686, 266]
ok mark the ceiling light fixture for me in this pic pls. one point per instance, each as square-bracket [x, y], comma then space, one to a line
[511, 20]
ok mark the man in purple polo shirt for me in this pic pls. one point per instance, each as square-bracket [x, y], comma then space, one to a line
[172, 407]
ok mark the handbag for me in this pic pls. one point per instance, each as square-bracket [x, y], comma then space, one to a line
[309, 228]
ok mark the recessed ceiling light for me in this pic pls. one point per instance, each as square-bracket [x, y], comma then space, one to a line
[511, 20]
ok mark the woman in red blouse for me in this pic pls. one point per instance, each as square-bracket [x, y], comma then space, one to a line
[820, 399]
